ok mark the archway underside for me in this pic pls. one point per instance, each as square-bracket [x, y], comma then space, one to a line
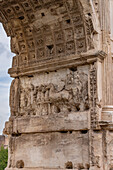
[45, 30]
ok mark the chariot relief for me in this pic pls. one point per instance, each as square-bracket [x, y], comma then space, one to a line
[70, 94]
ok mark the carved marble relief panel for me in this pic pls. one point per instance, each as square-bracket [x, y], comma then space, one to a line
[62, 91]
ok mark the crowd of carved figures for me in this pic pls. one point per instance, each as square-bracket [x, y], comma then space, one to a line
[69, 33]
[69, 96]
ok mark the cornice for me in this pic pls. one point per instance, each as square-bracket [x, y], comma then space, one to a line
[55, 64]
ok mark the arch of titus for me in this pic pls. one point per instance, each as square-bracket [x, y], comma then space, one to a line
[61, 97]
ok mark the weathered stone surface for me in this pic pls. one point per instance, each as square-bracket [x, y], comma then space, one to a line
[55, 149]
[61, 98]
[72, 121]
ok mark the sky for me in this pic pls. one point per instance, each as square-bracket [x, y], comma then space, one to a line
[5, 80]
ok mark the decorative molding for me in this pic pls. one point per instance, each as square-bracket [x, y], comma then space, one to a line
[52, 65]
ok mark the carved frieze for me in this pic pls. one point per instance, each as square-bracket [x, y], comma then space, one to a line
[69, 94]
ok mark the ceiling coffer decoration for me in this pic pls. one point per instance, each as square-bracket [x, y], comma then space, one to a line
[45, 29]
